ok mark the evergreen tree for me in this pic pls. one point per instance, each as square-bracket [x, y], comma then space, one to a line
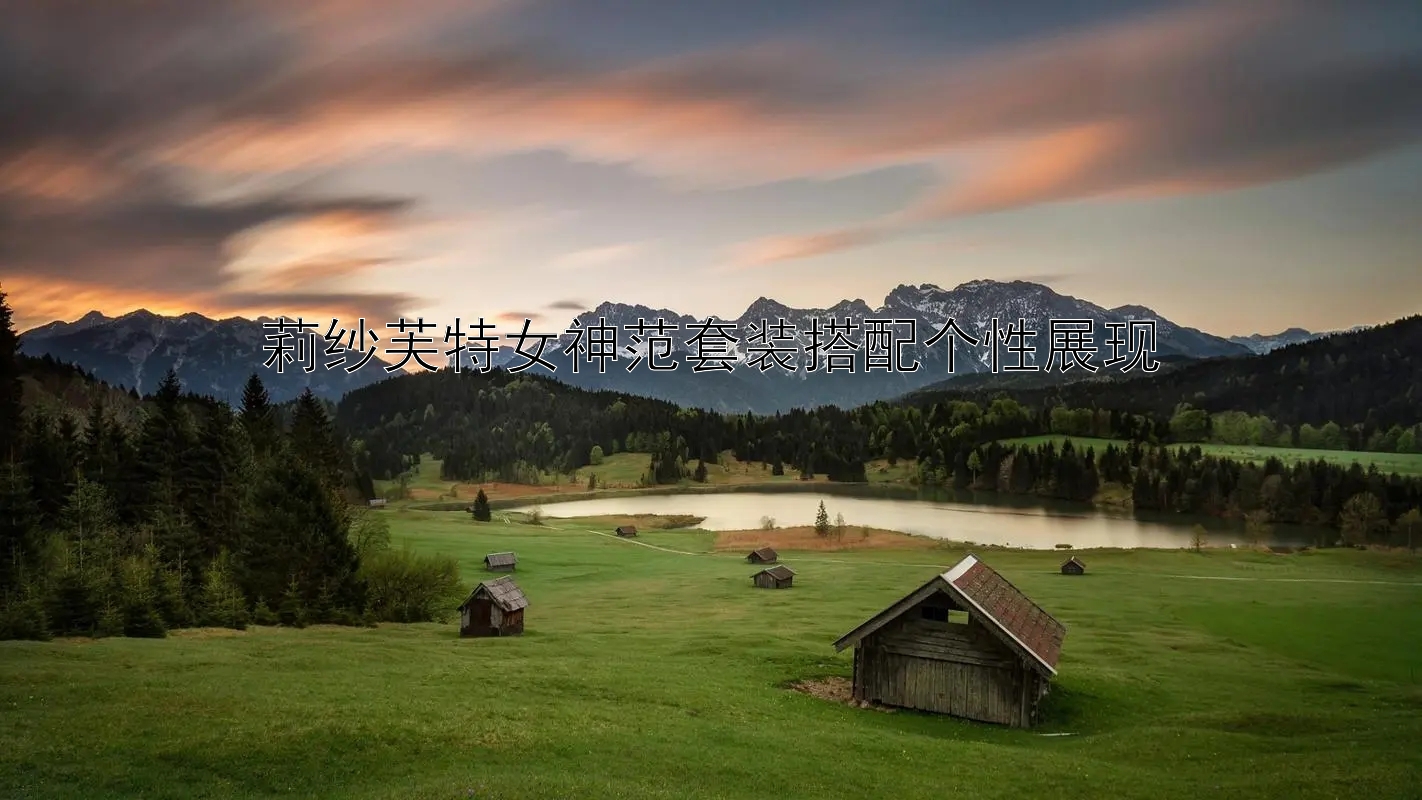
[822, 523]
[481, 509]
[314, 441]
[165, 446]
[221, 603]
[221, 470]
[258, 417]
[10, 389]
[296, 532]
[700, 475]
[19, 528]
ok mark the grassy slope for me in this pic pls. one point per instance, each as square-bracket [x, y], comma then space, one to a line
[1402, 463]
[646, 673]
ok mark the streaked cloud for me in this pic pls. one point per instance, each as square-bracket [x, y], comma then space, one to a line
[601, 257]
[141, 142]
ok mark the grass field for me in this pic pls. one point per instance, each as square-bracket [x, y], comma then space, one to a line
[1401, 463]
[650, 672]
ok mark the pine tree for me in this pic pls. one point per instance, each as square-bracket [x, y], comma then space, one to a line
[258, 417]
[220, 602]
[296, 526]
[165, 445]
[700, 475]
[221, 471]
[19, 527]
[481, 509]
[822, 522]
[10, 389]
[314, 441]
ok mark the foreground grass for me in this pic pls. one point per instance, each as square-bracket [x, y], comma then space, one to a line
[649, 673]
[1401, 463]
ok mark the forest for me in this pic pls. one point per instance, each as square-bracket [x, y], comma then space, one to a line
[515, 428]
[1361, 380]
[136, 516]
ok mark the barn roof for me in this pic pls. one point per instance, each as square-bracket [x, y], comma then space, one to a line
[767, 553]
[503, 591]
[500, 560]
[1075, 559]
[779, 572]
[1019, 622]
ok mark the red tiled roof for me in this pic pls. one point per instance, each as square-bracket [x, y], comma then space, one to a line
[1032, 627]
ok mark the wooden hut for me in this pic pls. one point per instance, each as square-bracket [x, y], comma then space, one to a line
[763, 555]
[626, 530]
[966, 643]
[494, 608]
[378, 502]
[776, 577]
[1073, 566]
[500, 562]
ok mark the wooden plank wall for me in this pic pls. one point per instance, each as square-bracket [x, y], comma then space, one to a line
[946, 668]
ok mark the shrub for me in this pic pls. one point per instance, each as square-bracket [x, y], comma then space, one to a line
[24, 618]
[767, 523]
[407, 587]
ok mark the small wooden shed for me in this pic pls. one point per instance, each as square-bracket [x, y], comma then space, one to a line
[378, 502]
[494, 608]
[500, 562]
[776, 577]
[626, 530]
[763, 555]
[966, 643]
[1073, 566]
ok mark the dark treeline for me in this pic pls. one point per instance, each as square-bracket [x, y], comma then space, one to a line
[179, 510]
[1362, 380]
[506, 427]
[1366, 506]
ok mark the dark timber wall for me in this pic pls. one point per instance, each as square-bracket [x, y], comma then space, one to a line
[951, 667]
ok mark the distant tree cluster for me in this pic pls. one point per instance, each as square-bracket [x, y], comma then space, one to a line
[1366, 506]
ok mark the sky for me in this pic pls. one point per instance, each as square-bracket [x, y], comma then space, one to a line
[1238, 167]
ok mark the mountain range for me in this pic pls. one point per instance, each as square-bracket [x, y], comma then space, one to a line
[212, 357]
[216, 356]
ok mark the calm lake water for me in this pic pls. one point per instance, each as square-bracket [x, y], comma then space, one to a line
[1000, 522]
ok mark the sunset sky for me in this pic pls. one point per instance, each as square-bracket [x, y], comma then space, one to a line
[1239, 167]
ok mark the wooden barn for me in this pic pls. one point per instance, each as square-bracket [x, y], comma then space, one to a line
[626, 530]
[966, 643]
[1073, 566]
[494, 608]
[500, 562]
[763, 555]
[777, 577]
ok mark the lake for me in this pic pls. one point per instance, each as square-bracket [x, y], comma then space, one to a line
[1004, 522]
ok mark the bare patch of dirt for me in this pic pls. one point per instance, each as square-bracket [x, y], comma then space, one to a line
[833, 689]
[804, 537]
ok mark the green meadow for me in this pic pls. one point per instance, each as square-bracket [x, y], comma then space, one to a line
[1401, 463]
[653, 669]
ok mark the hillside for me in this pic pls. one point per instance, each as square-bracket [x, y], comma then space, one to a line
[1370, 376]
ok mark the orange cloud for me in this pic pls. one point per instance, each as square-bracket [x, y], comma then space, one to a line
[1054, 166]
[788, 248]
